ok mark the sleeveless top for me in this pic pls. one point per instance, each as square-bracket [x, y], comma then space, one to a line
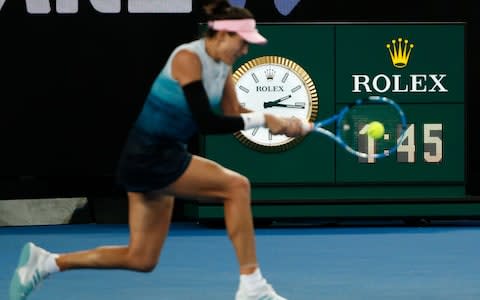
[165, 113]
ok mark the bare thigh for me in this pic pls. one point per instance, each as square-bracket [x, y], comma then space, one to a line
[150, 214]
[149, 221]
[206, 179]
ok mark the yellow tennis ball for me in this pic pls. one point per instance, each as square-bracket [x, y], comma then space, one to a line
[375, 130]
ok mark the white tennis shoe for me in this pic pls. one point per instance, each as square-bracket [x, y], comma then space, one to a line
[265, 292]
[28, 274]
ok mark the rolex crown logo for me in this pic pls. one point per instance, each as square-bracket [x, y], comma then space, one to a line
[270, 73]
[400, 51]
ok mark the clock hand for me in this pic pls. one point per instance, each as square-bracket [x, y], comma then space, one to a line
[271, 103]
[302, 106]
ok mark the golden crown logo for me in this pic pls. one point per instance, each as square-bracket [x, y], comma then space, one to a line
[400, 52]
[270, 73]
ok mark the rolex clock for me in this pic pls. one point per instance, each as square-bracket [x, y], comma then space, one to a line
[279, 86]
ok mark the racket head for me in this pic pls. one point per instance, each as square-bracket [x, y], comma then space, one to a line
[353, 121]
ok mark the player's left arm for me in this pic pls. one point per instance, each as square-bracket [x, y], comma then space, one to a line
[230, 104]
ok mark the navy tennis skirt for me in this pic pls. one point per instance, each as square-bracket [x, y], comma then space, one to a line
[146, 166]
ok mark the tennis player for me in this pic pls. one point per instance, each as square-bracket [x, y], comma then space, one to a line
[155, 166]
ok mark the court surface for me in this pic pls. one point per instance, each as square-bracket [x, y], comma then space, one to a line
[307, 262]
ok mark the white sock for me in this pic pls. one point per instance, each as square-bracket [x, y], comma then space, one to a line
[252, 281]
[50, 264]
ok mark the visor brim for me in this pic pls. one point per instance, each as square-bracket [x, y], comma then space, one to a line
[253, 37]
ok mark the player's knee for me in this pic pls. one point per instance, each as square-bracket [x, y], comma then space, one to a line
[146, 265]
[238, 184]
[142, 263]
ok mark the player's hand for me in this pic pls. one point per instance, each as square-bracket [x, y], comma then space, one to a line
[298, 127]
[291, 127]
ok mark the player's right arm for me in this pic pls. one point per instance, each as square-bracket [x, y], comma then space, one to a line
[187, 70]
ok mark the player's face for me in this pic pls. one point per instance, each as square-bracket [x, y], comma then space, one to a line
[234, 47]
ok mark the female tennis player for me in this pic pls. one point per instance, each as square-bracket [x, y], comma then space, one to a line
[155, 166]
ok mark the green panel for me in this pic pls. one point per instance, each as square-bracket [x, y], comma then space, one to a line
[369, 210]
[366, 192]
[337, 184]
[297, 165]
[438, 51]
[303, 162]
[416, 169]
[431, 210]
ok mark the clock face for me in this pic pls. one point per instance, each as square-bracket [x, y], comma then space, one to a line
[278, 86]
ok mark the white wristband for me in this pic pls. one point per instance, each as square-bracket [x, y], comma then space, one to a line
[306, 126]
[253, 120]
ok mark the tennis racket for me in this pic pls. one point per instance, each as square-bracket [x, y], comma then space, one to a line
[351, 127]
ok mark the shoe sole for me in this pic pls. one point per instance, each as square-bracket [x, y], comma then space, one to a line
[15, 285]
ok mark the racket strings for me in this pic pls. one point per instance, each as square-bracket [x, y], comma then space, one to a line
[353, 127]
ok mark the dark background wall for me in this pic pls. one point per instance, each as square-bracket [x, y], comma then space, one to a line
[71, 85]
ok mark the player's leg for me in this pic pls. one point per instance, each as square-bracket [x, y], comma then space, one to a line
[149, 220]
[206, 179]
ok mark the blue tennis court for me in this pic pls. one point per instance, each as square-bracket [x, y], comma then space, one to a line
[302, 262]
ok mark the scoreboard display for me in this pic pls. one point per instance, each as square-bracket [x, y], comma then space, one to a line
[425, 75]
[419, 65]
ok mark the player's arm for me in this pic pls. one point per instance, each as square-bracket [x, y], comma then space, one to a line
[230, 104]
[187, 70]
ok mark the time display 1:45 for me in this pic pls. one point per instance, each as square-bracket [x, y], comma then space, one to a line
[406, 151]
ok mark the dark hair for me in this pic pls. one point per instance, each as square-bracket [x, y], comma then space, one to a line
[222, 10]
